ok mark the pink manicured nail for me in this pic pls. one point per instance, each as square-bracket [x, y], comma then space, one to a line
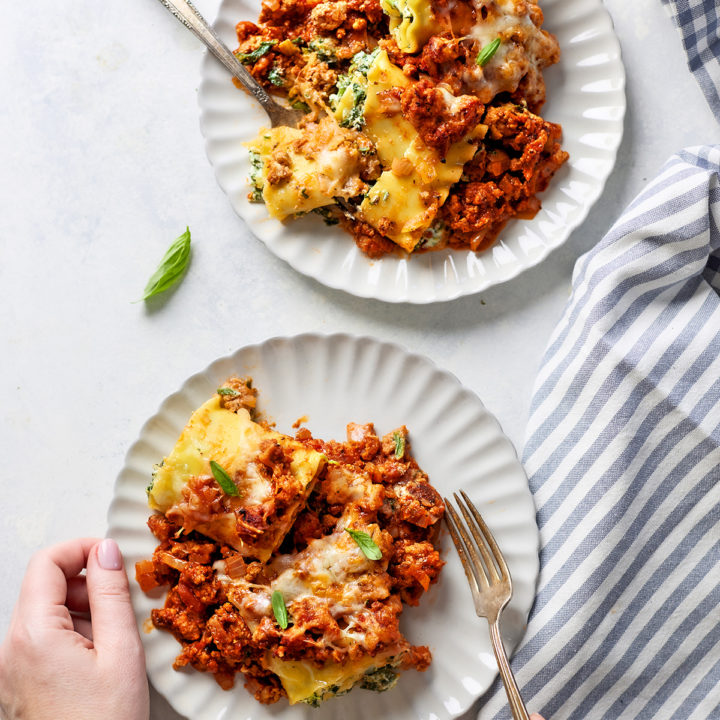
[109, 556]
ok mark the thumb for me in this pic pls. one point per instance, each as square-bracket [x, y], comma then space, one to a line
[113, 621]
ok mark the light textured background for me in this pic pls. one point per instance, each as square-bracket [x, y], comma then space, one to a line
[102, 165]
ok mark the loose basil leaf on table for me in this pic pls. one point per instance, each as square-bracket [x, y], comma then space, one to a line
[171, 266]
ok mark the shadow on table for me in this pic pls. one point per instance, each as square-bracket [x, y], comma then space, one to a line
[160, 708]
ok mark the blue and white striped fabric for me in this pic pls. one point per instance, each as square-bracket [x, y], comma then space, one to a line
[698, 22]
[623, 455]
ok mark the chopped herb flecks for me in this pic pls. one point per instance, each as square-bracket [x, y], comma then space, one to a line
[355, 118]
[300, 105]
[256, 168]
[399, 444]
[362, 61]
[324, 49]
[276, 77]
[433, 236]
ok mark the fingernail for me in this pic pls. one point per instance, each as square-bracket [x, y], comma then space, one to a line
[109, 556]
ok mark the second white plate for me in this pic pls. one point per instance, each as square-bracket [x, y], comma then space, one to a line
[586, 94]
[333, 380]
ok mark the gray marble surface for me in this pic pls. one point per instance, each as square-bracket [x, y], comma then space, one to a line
[102, 165]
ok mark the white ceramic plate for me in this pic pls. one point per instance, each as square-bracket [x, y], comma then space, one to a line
[586, 94]
[334, 380]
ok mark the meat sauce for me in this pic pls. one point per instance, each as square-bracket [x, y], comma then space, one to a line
[309, 44]
[376, 480]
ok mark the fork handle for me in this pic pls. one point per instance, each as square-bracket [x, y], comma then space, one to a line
[190, 17]
[517, 706]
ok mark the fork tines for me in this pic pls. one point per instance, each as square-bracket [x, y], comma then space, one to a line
[480, 555]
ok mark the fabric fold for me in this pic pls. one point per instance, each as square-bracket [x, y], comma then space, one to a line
[623, 458]
[698, 22]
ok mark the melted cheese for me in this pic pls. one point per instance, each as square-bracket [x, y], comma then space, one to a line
[412, 23]
[410, 202]
[316, 178]
[331, 568]
[346, 483]
[303, 680]
[524, 47]
[233, 441]
[503, 17]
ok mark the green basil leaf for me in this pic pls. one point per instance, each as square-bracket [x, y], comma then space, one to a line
[223, 479]
[369, 549]
[256, 54]
[485, 55]
[279, 609]
[399, 444]
[230, 392]
[171, 266]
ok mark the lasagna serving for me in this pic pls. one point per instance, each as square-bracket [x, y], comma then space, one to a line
[289, 560]
[421, 126]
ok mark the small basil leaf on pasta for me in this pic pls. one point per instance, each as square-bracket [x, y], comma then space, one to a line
[171, 266]
[223, 479]
[485, 55]
[228, 392]
[399, 445]
[369, 549]
[279, 609]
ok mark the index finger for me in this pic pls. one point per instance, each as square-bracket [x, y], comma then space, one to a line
[45, 581]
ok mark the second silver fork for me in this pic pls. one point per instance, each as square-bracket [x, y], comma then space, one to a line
[490, 583]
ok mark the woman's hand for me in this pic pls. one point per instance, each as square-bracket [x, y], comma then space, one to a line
[73, 651]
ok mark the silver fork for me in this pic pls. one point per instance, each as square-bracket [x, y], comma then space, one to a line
[189, 16]
[490, 583]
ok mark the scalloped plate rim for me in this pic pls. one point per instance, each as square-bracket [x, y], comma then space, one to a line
[388, 293]
[299, 341]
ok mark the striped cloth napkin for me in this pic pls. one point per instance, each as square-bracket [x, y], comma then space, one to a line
[698, 22]
[623, 455]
